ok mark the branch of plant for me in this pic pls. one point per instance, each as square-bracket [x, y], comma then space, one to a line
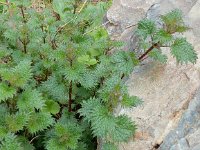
[23, 14]
[34, 138]
[84, 4]
[155, 45]
[148, 51]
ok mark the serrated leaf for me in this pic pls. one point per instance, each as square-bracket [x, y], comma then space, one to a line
[124, 129]
[30, 99]
[19, 75]
[25, 143]
[6, 91]
[157, 55]
[162, 36]
[3, 132]
[130, 101]
[16, 121]
[173, 17]
[174, 22]
[183, 51]
[39, 122]
[10, 142]
[104, 124]
[55, 89]
[124, 62]
[145, 28]
[52, 107]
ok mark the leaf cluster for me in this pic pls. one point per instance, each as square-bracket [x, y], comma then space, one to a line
[58, 84]
[153, 38]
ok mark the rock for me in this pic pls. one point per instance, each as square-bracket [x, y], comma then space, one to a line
[187, 132]
[168, 118]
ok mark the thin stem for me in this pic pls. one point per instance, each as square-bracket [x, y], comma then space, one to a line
[70, 93]
[34, 138]
[23, 15]
[44, 38]
[25, 43]
[84, 4]
[148, 51]
[70, 98]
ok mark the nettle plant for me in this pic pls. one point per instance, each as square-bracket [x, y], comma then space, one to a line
[168, 34]
[59, 83]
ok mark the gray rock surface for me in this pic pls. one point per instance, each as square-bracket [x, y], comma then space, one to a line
[169, 116]
[186, 136]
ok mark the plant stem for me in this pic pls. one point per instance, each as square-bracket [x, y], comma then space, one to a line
[70, 93]
[23, 15]
[148, 51]
[25, 43]
[70, 98]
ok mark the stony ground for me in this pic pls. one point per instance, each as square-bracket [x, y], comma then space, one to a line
[169, 118]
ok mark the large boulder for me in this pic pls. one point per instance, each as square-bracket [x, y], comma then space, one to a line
[167, 119]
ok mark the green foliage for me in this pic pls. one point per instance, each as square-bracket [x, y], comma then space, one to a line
[10, 142]
[183, 51]
[6, 91]
[59, 83]
[153, 38]
[19, 75]
[16, 121]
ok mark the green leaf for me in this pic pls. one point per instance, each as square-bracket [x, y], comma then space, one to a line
[85, 59]
[3, 132]
[173, 17]
[17, 121]
[130, 101]
[92, 62]
[19, 75]
[174, 22]
[62, 6]
[123, 130]
[104, 124]
[75, 72]
[25, 143]
[10, 142]
[157, 55]
[163, 37]
[89, 80]
[39, 122]
[146, 28]
[59, 6]
[6, 92]
[94, 53]
[55, 89]
[124, 62]
[52, 107]
[183, 51]
[65, 136]
[30, 99]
